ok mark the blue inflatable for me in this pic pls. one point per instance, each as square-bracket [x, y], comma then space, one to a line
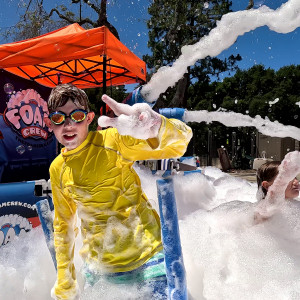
[18, 212]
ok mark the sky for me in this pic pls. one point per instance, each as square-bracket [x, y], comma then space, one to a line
[260, 46]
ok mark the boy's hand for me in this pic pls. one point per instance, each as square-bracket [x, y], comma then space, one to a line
[138, 121]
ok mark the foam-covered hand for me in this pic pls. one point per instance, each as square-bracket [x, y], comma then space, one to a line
[138, 120]
[288, 170]
[290, 166]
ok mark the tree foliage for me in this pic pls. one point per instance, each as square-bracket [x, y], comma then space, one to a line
[264, 92]
[98, 7]
[35, 19]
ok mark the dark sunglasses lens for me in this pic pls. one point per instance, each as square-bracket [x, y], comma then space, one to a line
[78, 116]
[57, 118]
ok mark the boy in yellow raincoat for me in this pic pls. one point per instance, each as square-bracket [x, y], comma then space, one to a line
[93, 177]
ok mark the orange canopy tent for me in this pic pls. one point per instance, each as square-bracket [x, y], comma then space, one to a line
[86, 58]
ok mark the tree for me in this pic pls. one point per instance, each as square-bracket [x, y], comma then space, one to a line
[176, 23]
[35, 20]
[99, 8]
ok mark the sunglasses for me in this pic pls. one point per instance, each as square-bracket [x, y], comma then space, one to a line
[77, 115]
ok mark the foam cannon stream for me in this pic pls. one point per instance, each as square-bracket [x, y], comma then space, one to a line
[232, 119]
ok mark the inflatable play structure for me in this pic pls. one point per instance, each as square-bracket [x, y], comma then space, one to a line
[27, 148]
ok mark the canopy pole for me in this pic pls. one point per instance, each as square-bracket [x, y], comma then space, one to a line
[104, 84]
[58, 78]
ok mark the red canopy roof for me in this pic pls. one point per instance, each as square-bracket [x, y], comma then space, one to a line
[86, 58]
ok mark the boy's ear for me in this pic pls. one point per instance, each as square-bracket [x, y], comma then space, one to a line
[266, 184]
[90, 117]
[47, 121]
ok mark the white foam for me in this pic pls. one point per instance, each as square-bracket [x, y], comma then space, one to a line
[232, 119]
[225, 256]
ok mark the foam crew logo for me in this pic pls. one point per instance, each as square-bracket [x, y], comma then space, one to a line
[11, 226]
[25, 114]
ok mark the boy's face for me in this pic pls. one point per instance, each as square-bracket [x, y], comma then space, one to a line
[70, 134]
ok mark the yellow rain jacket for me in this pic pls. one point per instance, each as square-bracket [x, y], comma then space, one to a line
[120, 229]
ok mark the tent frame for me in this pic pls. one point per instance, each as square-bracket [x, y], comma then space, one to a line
[73, 74]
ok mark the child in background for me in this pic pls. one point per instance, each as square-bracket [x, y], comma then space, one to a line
[279, 175]
[93, 177]
[266, 175]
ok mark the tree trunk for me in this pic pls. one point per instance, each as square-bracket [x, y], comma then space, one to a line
[102, 20]
[250, 4]
[180, 98]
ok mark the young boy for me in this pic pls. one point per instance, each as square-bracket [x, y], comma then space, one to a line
[93, 177]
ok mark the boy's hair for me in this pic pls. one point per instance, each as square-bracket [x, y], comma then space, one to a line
[62, 93]
[267, 172]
